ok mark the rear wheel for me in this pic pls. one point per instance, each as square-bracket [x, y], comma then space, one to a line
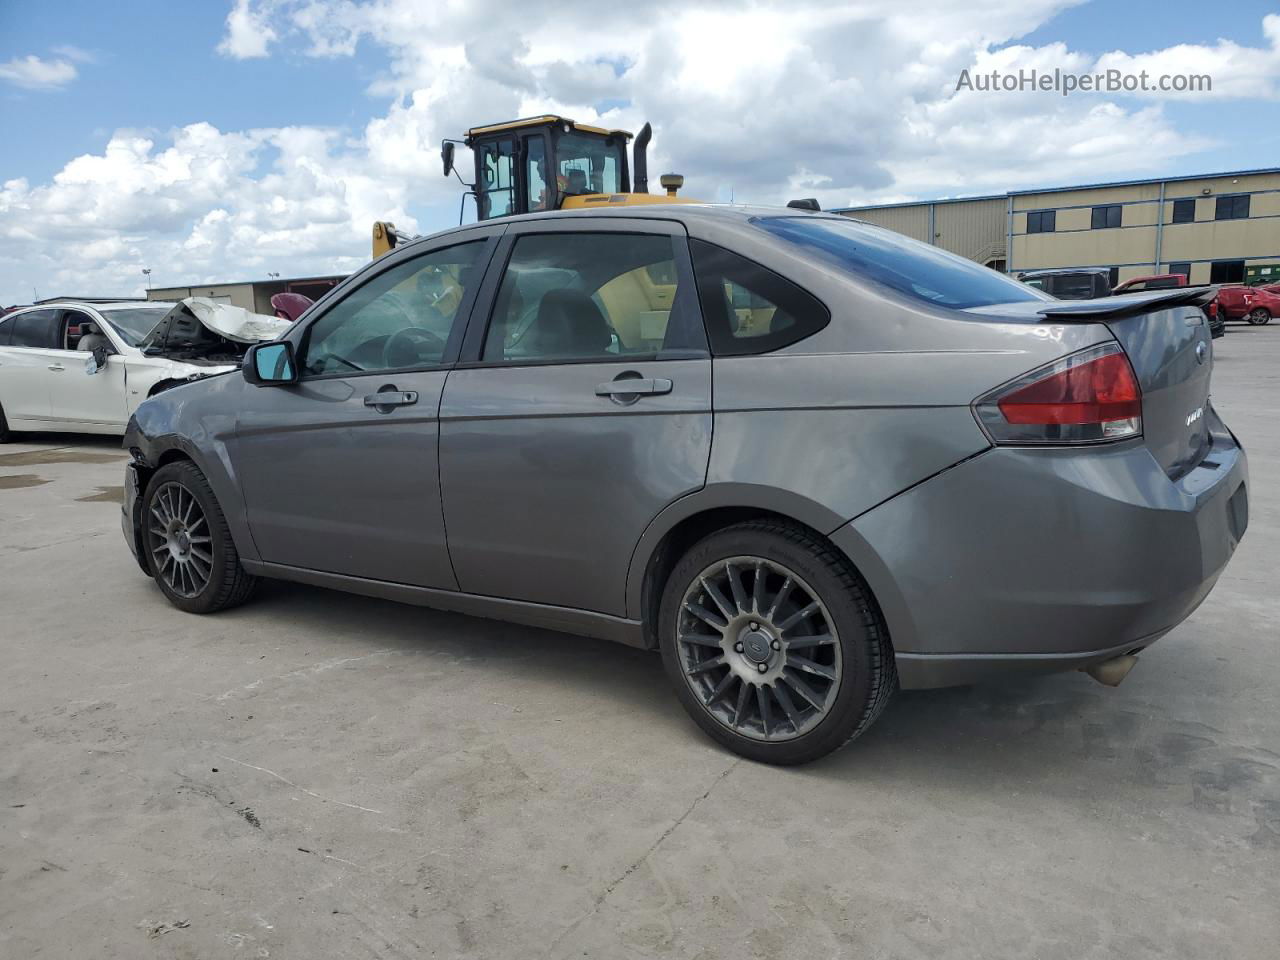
[189, 548]
[1258, 316]
[774, 644]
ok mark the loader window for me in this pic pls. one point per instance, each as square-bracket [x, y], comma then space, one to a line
[587, 165]
[535, 173]
[497, 195]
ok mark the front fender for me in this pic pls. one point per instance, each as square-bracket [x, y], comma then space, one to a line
[197, 421]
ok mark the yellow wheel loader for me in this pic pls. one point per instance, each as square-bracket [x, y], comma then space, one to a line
[548, 163]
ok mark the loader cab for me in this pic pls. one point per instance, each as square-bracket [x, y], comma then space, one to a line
[540, 163]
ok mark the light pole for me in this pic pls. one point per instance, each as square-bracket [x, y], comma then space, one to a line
[146, 272]
[273, 276]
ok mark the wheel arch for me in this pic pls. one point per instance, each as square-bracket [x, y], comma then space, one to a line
[698, 515]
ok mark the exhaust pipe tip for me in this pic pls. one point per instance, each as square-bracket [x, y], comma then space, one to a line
[1112, 672]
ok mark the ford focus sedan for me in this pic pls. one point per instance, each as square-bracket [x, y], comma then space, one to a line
[809, 460]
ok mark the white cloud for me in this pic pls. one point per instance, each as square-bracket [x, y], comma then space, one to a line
[75, 53]
[32, 73]
[1236, 71]
[248, 33]
[850, 102]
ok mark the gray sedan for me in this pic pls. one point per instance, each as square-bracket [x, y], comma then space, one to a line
[808, 459]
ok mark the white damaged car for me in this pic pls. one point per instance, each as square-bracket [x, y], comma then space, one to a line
[84, 366]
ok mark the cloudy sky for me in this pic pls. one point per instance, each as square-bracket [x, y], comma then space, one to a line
[215, 141]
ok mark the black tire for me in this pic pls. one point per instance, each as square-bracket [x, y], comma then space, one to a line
[5, 434]
[1259, 316]
[227, 583]
[867, 678]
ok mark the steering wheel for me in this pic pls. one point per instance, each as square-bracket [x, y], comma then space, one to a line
[411, 346]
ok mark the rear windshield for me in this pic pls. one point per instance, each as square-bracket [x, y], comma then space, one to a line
[916, 269]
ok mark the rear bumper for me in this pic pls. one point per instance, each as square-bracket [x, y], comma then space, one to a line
[1034, 560]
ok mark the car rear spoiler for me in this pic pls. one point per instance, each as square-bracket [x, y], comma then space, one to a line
[1126, 304]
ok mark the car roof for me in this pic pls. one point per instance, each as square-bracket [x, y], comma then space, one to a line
[685, 213]
[98, 306]
[1059, 271]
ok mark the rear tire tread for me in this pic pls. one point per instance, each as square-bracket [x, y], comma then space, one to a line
[882, 668]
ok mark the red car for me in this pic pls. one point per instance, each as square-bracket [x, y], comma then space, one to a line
[1255, 304]
[1157, 281]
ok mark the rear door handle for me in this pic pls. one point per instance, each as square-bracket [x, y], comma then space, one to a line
[56, 366]
[391, 398]
[634, 387]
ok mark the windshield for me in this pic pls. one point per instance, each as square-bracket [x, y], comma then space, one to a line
[587, 165]
[916, 269]
[134, 323]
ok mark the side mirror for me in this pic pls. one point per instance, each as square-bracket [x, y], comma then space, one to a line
[269, 364]
[446, 154]
[100, 355]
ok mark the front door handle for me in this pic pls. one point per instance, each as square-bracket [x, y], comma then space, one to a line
[625, 388]
[56, 366]
[390, 399]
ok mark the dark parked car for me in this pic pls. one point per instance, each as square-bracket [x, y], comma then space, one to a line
[1082, 283]
[809, 459]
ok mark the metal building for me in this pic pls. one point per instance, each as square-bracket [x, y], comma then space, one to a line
[1211, 227]
[252, 295]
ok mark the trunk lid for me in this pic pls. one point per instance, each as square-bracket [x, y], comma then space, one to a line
[1165, 334]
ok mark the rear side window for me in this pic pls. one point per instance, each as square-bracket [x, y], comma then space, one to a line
[748, 308]
[918, 270]
[34, 329]
[592, 297]
[5, 327]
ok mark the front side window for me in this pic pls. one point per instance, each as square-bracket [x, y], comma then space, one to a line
[1184, 211]
[497, 194]
[1232, 207]
[591, 296]
[587, 165]
[401, 318]
[34, 329]
[1042, 221]
[1107, 217]
[918, 270]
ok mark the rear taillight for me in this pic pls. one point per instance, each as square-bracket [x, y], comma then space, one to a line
[1211, 309]
[1087, 397]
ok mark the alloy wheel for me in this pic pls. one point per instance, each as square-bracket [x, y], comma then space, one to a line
[1259, 316]
[181, 547]
[758, 648]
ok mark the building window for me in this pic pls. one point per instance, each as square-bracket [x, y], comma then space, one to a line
[1184, 211]
[1106, 217]
[1183, 267]
[1235, 207]
[1042, 221]
[1226, 271]
[1113, 278]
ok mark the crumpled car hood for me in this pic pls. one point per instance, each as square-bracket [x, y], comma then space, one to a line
[235, 323]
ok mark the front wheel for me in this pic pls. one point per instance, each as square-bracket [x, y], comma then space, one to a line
[774, 644]
[1259, 316]
[190, 552]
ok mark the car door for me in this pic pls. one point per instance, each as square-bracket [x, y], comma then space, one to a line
[340, 470]
[28, 364]
[580, 408]
[77, 396]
